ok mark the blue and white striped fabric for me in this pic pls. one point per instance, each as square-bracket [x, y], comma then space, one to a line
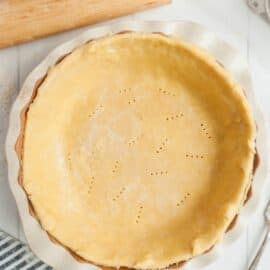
[14, 255]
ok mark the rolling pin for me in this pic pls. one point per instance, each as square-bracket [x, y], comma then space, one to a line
[25, 20]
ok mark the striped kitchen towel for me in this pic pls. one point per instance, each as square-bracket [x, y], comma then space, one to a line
[14, 255]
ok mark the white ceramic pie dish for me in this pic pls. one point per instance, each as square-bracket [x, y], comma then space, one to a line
[59, 257]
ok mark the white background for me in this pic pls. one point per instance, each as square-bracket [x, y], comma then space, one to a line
[229, 19]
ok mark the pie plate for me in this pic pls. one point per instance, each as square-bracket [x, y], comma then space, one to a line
[53, 253]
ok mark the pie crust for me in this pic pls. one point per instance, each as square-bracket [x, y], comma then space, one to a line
[137, 151]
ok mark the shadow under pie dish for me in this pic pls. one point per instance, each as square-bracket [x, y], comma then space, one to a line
[137, 151]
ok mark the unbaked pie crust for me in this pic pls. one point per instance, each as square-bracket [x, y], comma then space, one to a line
[137, 151]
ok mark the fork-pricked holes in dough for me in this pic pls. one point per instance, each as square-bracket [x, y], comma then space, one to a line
[166, 92]
[162, 146]
[205, 131]
[125, 91]
[91, 185]
[119, 194]
[134, 141]
[195, 156]
[94, 112]
[173, 117]
[158, 173]
[132, 101]
[183, 200]
[115, 167]
[139, 214]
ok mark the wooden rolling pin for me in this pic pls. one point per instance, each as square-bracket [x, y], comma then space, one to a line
[25, 20]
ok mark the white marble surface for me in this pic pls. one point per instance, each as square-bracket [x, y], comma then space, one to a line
[230, 20]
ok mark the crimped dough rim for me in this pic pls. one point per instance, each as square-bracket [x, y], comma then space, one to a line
[221, 72]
